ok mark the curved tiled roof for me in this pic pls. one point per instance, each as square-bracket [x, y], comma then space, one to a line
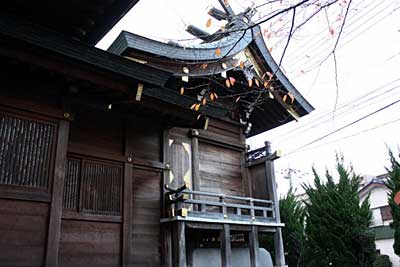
[174, 58]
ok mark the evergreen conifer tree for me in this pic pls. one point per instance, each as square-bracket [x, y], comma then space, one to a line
[337, 226]
[292, 215]
[393, 183]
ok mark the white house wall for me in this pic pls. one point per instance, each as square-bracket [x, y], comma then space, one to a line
[386, 248]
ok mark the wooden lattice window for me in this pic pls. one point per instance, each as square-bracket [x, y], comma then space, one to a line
[26, 151]
[93, 186]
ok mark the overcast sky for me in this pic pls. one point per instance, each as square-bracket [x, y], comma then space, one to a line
[368, 62]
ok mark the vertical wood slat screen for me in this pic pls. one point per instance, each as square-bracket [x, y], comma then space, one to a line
[93, 187]
[71, 184]
[26, 151]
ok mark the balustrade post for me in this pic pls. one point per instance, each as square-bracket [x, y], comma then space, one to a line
[224, 209]
[252, 212]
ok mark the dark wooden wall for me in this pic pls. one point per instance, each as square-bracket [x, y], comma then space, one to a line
[220, 170]
[221, 159]
[146, 201]
[27, 159]
[258, 181]
[100, 202]
[89, 243]
[96, 222]
[23, 230]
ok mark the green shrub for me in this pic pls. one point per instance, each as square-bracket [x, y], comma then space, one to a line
[382, 261]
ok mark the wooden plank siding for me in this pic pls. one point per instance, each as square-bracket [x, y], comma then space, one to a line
[259, 187]
[89, 243]
[146, 204]
[220, 170]
[224, 129]
[99, 135]
[23, 231]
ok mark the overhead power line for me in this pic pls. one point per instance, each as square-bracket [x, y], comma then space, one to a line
[342, 109]
[350, 136]
[343, 127]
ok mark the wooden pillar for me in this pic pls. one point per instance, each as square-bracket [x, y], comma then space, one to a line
[127, 215]
[226, 251]
[254, 246]
[53, 236]
[279, 250]
[166, 254]
[278, 241]
[179, 243]
[195, 160]
[126, 231]
[246, 182]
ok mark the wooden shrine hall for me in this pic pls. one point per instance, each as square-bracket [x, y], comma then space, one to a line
[136, 156]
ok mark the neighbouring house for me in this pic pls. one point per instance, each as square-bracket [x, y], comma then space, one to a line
[375, 188]
[124, 157]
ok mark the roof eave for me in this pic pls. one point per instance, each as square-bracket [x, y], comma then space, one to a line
[260, 45]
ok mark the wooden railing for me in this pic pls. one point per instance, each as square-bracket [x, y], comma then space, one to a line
[207, 206]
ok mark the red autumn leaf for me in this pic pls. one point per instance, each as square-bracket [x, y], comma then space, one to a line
[250, 82]
[397, 198]
[208, 24]
[227, 83]
[232, 80]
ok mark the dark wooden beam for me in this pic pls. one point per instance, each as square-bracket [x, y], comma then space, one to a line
[179, 244]
[166, 246]
[254, 246]
[279, 249]
[53, 236]
[53, 43]
[226, 251]
[127, 215]
[220, 140]
[243, 168]
[273, 194]
[106, 21]
[195, 160]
